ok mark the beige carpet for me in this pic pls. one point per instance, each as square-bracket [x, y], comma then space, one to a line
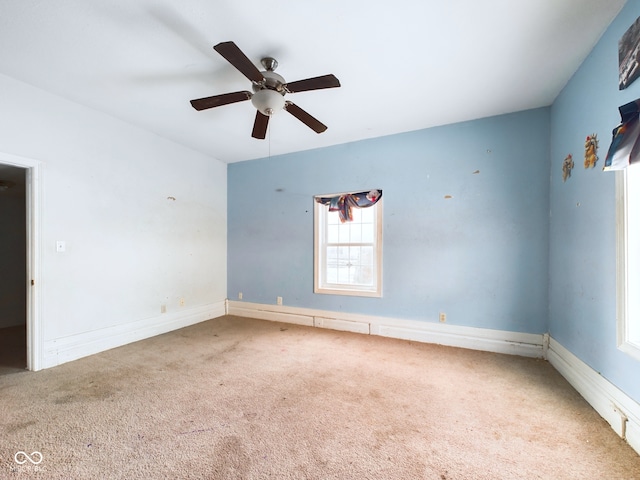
[236, 398]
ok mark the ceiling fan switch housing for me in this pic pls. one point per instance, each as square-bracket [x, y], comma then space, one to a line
[272, 81]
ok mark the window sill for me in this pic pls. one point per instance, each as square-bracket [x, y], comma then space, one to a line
[631, 349]
[348, 292]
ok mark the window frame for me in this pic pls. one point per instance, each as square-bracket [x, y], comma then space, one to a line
[320, 218]
[628, 278]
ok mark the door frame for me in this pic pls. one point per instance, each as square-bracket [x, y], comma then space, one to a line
[33, 204]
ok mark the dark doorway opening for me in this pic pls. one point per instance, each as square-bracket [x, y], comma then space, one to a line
[13, 259]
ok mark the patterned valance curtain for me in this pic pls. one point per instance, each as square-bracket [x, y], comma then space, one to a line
[625, 145]
[343, 204]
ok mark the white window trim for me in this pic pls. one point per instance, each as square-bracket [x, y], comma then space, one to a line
[627, 279]
[318, 260]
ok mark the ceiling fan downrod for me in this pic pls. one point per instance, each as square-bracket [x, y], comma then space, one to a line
[269, 63]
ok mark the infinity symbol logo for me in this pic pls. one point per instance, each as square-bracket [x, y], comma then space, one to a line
[24, 457]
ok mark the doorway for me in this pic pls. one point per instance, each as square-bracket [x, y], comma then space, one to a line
[20, 339]
[13, 258]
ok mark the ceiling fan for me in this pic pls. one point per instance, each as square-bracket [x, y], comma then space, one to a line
[269, 90]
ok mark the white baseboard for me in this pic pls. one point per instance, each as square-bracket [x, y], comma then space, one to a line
[497, 341]
[73, 347]
[514, 343]
[342, 324]
[617, 408]
[263, 312]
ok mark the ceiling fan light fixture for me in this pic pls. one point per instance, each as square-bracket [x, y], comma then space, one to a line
[268, 101]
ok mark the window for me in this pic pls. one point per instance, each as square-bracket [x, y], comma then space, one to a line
[348, 255]
[628, 259]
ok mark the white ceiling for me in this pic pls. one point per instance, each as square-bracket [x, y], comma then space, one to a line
[403, 65]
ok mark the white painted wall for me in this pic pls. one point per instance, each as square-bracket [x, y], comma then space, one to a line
[108, 191]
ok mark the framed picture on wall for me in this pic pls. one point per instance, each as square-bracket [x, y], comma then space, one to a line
[629, 55]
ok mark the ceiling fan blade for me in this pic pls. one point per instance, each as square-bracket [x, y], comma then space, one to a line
[218, 100]
[315, 83]
[260, 126]
[235, 57]
[311, 122]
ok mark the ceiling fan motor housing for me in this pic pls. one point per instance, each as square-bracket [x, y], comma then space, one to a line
[268, 97]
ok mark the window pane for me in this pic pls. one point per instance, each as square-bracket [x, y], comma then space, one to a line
[343, 275]
[332, 274]
[364, 276]
[332, 233]
[343, 255]
[344, 233]
[367, 256]
[332, 255]
[356, 233]
[333, 218]
[368, 233]
[633, 253]
[367, 214]
[628, 260]
[354, 255]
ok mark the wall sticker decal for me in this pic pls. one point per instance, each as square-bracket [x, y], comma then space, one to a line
[567, 166]
[625, 144]
[629, 55]
[591, 151]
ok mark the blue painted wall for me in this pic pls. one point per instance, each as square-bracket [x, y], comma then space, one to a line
[480, 256]
[582, 227]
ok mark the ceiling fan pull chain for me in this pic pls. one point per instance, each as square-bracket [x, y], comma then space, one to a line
[269, 133]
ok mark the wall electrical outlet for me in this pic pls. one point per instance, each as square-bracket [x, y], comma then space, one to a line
[279, 300]
[182, 302]
[239, 295]
[163, 308]
[443, 317]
